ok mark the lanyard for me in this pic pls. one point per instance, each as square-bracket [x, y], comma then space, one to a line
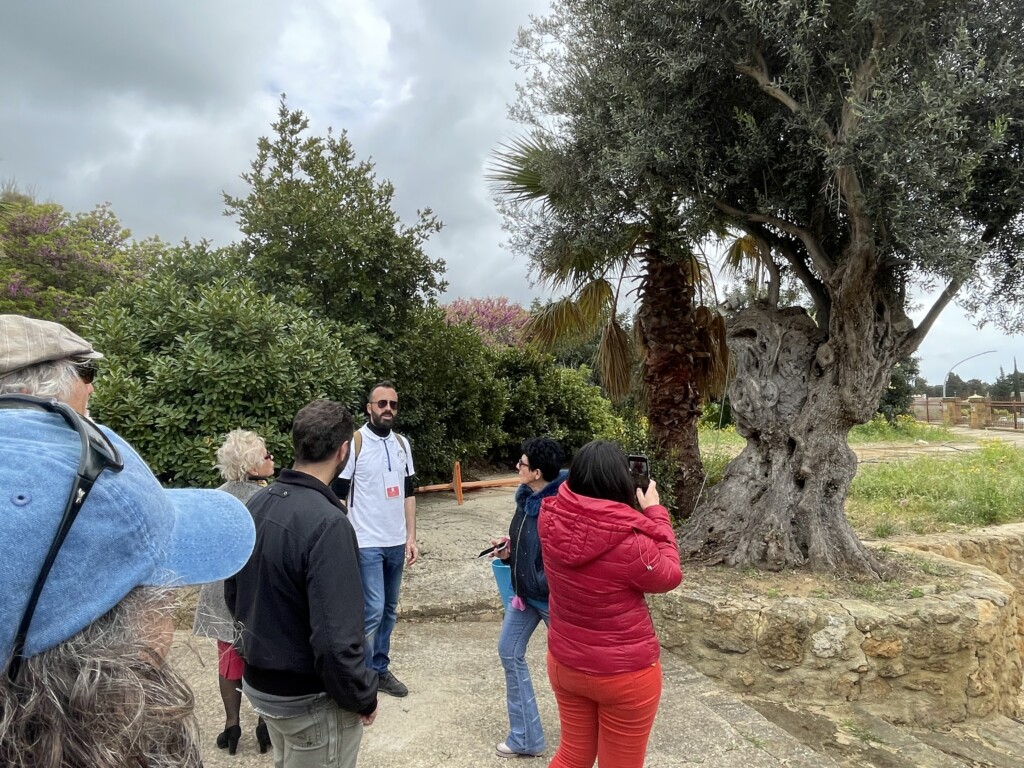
[386, 453]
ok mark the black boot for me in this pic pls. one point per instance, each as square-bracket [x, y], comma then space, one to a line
[262, 736]
[228, 738]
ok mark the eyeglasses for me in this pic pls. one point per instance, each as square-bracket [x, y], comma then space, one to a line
[268, 456]
[382, 404]
[522, 465]
[98, 454]
[86, 371]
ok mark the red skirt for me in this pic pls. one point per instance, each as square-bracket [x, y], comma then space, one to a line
[229, 664]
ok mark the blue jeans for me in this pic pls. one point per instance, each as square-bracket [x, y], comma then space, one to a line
[526, 735]
[381, 571]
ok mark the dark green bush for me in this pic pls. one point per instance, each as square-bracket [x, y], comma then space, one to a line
[184, 365]
[547, 399]
[451, 406]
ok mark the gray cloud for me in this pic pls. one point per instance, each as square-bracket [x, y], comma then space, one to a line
[156, 108]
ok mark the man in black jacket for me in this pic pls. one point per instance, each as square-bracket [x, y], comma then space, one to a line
[299, 603]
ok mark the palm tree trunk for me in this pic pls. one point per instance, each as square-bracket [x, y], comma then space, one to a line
[673, 351]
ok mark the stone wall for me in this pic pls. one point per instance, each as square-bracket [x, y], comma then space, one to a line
[927, 661]
[1000, 549]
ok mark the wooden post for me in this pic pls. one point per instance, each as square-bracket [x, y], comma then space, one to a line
[457, 482]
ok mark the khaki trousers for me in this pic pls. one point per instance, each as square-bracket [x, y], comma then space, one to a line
[324, 737]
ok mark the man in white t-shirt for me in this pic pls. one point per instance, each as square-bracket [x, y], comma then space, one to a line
[377, 482]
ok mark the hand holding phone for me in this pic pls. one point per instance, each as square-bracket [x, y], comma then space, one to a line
[639, 470]
[497, 545]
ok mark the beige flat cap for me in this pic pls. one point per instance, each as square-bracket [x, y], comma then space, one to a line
[25, 341]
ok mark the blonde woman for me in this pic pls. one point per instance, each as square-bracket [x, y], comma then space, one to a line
[246, 465]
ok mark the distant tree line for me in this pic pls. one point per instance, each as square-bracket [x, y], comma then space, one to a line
[1007, 386]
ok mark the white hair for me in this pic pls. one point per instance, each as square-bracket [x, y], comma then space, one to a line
[56, 378]
[241, 453]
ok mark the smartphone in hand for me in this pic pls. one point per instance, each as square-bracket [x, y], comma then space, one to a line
[502, 544]
[639, 470]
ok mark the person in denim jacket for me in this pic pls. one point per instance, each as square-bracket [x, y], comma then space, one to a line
[540, 471]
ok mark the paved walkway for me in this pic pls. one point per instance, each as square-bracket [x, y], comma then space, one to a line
[455, 712]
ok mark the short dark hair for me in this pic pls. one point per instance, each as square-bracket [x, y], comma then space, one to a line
[386, 383]
[600, 471]
[545, 454]
[319, 429]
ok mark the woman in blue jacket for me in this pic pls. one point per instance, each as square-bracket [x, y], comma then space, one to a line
[540, 472]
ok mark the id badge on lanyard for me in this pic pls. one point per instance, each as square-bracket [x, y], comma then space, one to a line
[392, 485]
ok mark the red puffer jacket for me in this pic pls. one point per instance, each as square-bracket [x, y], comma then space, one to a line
[600, 558]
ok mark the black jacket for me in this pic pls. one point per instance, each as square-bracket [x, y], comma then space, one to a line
[528, 578]
[299, 599]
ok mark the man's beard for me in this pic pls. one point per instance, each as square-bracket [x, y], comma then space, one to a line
[377, 419]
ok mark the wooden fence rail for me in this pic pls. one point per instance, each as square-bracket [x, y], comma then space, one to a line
[458, 486]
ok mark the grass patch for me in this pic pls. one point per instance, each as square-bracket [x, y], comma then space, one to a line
[931, 493]
[860, 732]
[905, 430]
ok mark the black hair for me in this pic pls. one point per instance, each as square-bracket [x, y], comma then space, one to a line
[545, 454]
[319, 429]
[386, 383]
[600, 471]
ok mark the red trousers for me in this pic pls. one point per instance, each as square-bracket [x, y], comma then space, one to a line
[608, 717]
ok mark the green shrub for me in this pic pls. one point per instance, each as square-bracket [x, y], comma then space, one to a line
[451, 406]
[545, 399]
[716, 415]
[184, 365]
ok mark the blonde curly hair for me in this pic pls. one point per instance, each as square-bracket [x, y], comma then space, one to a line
[241, 453]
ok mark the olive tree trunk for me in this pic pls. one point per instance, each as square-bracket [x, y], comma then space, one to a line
[797, 391]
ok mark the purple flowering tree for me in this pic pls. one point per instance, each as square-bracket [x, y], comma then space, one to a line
[498, 321]
[53, 263]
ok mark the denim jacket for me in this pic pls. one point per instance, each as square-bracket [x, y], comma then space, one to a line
[528, 579]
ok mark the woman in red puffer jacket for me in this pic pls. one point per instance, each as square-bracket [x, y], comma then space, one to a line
[605, 543]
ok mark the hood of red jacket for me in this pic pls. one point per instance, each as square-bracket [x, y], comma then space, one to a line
[576, 529]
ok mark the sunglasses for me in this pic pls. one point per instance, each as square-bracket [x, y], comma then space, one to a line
[86, 371]
[382, 404]
[98, 454]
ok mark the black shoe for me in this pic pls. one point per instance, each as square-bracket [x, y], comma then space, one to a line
[391, 685]
[228, 738]
[263, 737]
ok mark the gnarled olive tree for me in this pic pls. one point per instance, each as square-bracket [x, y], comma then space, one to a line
[874, 147]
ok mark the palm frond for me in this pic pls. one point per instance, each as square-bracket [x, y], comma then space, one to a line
[614, 360]
[569, 264]
[596, 300]
[747, 255]
[713, 364]
[555, 321]
[515, 169]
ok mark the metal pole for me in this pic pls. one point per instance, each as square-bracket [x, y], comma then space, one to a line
[950, 372]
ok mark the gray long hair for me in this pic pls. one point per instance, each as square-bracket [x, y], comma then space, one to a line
[101, 699]
[53, 379]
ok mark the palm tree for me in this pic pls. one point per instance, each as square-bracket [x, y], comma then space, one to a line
[678, 342]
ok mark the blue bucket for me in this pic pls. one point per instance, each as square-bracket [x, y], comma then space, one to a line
[503, 578]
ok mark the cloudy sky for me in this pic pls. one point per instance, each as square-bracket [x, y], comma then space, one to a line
[156, 108]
